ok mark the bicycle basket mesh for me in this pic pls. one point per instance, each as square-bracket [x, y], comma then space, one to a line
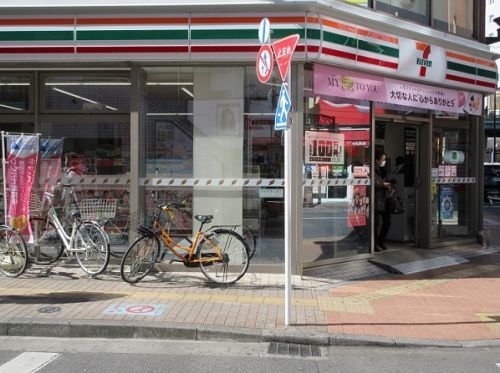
[94, 209]
[37, 202]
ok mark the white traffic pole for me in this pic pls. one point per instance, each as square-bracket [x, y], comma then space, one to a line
[288, 215]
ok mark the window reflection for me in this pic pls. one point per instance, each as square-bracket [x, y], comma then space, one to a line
[413, 10]
[455, 18]
[15, 92]
[336, 178]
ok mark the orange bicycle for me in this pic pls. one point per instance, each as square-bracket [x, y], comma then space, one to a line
[221, 254]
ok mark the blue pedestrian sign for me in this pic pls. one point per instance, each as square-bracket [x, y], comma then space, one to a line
[284, 106]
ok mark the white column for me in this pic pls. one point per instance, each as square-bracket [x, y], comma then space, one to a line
[218, 141]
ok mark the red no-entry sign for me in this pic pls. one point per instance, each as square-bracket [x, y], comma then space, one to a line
[264, 63]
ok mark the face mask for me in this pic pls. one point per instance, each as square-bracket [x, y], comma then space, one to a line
[382, 164]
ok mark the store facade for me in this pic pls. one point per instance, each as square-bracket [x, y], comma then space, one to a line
[169, 102]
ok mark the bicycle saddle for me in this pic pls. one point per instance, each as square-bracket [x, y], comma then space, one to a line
[204, 218]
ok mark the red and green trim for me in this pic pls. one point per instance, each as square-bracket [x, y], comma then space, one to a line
[132, 35]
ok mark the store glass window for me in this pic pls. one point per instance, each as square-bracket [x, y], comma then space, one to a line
[491, 126]
[15, 93]
[91, 113]
[208, 142]
[85, 93]
[413, 10]
[457, 17]
[453, 180]
[336, 193]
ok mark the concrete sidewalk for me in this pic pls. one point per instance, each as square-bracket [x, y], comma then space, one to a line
[453, 306]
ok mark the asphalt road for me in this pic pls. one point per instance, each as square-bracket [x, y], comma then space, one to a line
[27, 354]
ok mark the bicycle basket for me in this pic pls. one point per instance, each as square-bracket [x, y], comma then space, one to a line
[95, 209]
[37, 202]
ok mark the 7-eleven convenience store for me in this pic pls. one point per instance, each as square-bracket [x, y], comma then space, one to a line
[166, 99]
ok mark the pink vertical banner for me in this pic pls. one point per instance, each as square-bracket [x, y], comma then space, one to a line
[22, 157]
[50, 163]
[357, 206]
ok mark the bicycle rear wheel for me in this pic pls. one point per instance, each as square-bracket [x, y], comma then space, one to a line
[13, 253]
[223, 256]
[250, 240]
[47, 240]
[95, 258]
[140, 259]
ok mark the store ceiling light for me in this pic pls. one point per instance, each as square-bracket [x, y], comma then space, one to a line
[87, 83]
[187, 91]
[15, 84]
[169, 83]
[10, 107]
[82, 98]
[167, 114]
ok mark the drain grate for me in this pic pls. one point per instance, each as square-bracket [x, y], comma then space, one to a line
[293, 349]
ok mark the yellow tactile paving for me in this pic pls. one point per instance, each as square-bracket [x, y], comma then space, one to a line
[492, 320]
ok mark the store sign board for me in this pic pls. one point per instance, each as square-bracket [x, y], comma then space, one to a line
[271, 192]
[331, 81]
[421, 60]
[324, 147]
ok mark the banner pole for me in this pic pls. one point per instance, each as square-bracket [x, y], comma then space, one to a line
[4, 161]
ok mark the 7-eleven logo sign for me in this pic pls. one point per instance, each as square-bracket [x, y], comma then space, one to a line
[421, 60]
[424, 62]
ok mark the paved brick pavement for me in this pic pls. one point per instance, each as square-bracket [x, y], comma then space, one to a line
[455, 303]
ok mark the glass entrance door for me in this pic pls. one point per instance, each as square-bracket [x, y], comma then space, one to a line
[452, 182]
[399, 141]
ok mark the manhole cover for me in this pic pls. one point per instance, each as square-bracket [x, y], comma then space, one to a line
[49, 309]
[293, 349]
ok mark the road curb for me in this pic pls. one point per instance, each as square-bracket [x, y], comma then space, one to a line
[147, 330]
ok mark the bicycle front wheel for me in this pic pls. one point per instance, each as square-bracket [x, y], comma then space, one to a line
[118, 238]
[140, 259]
[47, 239]
[223, 256]
[13, 253]
[94, 257]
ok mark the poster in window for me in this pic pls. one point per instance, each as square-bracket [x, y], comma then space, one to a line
[447, 196]
[324, 147]
[229, 120]
[357, 206]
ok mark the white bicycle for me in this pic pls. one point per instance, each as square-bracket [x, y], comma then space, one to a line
[86, 239]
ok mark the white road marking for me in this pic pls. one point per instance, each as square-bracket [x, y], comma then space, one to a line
[28, 362]
[498, 365]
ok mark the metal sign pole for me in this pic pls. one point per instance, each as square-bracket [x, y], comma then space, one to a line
[288, 215]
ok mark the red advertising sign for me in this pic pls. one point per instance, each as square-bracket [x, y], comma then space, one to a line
[283, 50]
